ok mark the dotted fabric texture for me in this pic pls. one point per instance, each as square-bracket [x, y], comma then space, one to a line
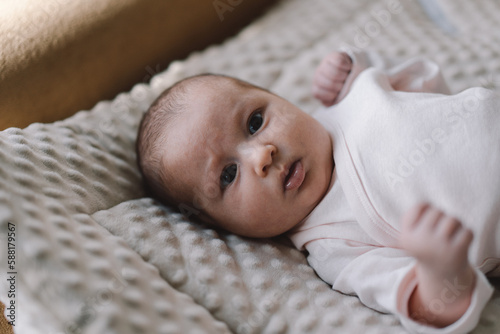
[94, 255]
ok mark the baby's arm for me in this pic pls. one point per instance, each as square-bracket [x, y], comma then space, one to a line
[337, 71]
[330, 76]
[440, 244]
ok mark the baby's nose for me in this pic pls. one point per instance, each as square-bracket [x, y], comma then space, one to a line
[263, 159]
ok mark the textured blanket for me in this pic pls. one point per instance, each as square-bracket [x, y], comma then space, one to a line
[89, 253]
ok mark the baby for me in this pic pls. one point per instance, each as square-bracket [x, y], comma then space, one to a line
[349, 185]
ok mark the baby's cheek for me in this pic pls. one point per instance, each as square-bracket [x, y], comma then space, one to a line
[256, 203]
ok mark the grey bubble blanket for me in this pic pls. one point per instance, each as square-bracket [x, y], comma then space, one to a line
[92, 254]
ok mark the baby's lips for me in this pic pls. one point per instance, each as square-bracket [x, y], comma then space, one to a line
[295, 176]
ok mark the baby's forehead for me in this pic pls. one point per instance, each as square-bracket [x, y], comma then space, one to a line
[210, 107]
[214, 93]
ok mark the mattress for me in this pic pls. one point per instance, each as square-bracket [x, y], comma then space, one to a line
[94, 254]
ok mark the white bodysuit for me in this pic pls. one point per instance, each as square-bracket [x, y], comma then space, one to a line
[399, 139]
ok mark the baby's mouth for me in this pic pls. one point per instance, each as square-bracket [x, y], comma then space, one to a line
[294, 176]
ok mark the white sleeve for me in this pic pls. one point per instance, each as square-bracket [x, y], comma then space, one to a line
[416, 74]
[384, 278]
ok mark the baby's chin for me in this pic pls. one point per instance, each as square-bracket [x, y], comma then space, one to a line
[258, 225]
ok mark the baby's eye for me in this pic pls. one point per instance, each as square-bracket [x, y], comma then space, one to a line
[227, 176]
[255, 122]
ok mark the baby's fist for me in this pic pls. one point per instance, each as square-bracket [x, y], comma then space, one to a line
[330, 76]
[438, 241]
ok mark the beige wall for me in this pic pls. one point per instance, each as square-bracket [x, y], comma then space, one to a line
[61, 56]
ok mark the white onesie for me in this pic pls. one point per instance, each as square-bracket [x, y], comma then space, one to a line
[399, 139]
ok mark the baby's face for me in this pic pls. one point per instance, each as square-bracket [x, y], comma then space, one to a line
[257, 164]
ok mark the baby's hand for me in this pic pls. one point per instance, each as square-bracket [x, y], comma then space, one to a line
[330, 76]
[438, 241]
[440, 244]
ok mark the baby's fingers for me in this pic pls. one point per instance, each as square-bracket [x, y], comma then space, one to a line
[460, 243]
[449, 227]
[431, 219]
[331, 79]
[326, 96]
[338, 60]
[463, 237]
[334, 67]
[412, 217]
